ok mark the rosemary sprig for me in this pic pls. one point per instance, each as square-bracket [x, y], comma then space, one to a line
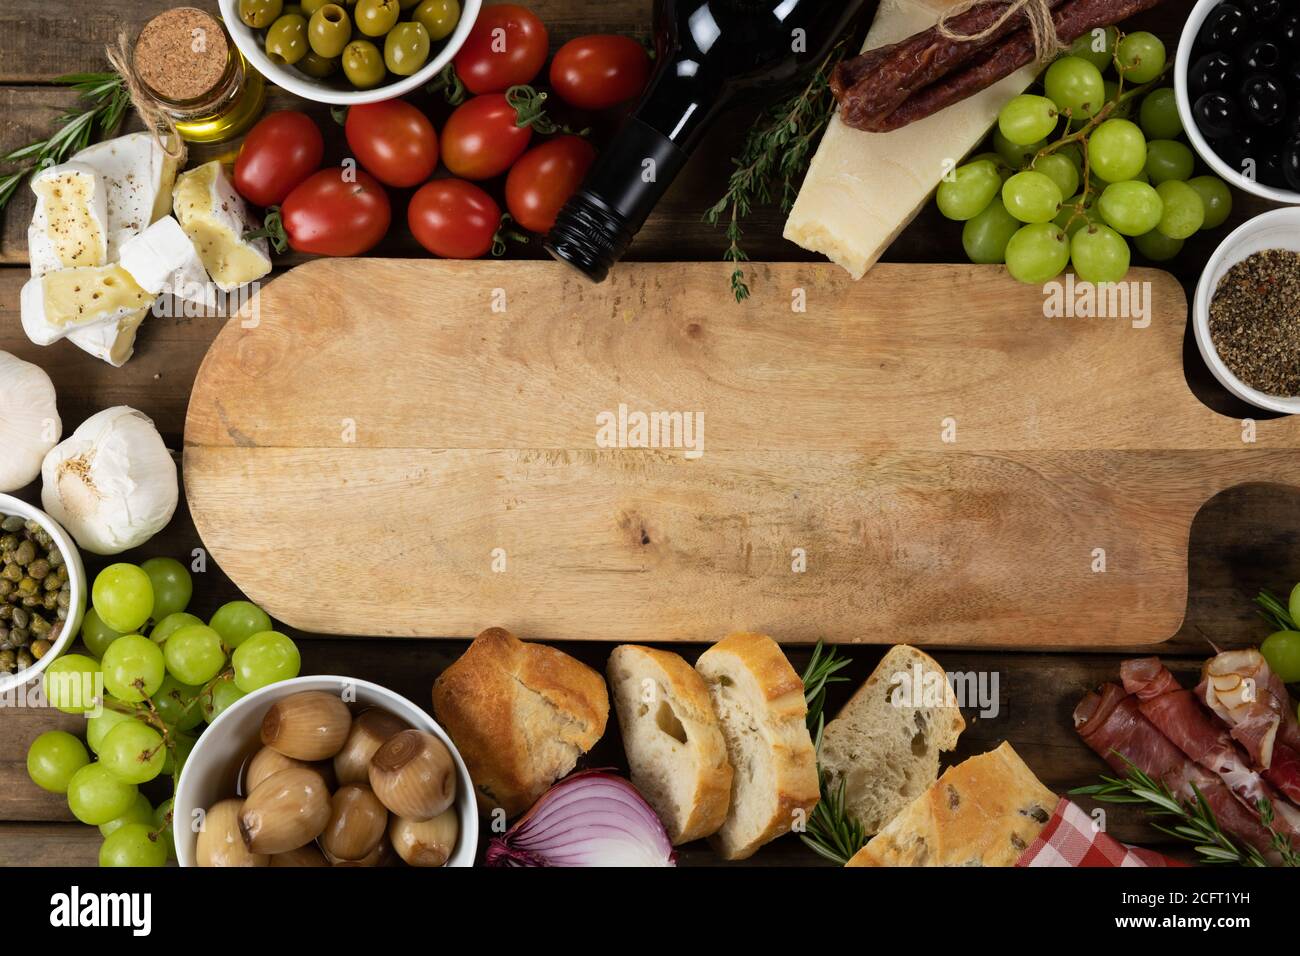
[831, 831]
[1274, 611]
[74, 129]
[775, 155]
[1194, 820]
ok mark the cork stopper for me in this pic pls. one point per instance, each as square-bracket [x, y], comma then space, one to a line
[182, 55]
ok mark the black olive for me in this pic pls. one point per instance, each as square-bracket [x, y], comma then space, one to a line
[1289, 31]
[1291, 163]
[1269, 170]
[1263, 100]
[1216, 114]
[1262, 56]
[1213, 71]
[1263, 12]
[1224, 28]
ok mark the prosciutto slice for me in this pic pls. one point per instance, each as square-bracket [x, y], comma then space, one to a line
[1176, 713]
[1240, 687]
[1111, 723]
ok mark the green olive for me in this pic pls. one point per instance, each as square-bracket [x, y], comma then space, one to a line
[376, 17]
[260, 13]
[286, 41]
[438, 17]
[317, 66]
[329, 30]
[363, 64]
[311, 6]
[406, 48]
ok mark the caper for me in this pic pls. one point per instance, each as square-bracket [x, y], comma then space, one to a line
[363, 64]
[376, 17]
[12, 572]
[13, 523]
[25, 553]
[329, 30]
[19, 636]
[406, 48]
[316, 66]
[260, 13]
[40, 626]
[27, 586]
[25, 659]
[20, 617]
[56, 559]
[40, 649]
[438, 17]
[39, 569]
[8, 661]
[286, 41]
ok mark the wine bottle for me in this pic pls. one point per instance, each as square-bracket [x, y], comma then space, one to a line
[709, 54]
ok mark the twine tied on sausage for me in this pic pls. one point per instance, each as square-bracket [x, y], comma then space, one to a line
[1047, 43]
[155, 118]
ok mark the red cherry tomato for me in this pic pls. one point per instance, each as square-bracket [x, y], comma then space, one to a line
[506, 48]
[281, 151]
[599, 71]
[336, 212]
[482, 138]
[544, 179]
[394, 141]
[453, 219]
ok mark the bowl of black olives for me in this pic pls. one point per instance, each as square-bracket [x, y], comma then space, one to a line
[349, 51]
[1237, 85]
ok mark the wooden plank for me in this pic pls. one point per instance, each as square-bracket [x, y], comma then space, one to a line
[49, 844]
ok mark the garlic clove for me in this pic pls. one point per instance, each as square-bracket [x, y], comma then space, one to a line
[307, 855]
[425, 842]
[357, 823]
[370, 731]
[311, 725]
[29, 421]
[266, 762]
[220, 842]
[288, 809]
[413, 775]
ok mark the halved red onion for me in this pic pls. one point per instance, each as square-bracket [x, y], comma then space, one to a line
[590, 818]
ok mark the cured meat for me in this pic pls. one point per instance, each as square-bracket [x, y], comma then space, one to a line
[1240, 687]
[1176, 713]
[1072, 19]
[1285, 771]
[877, 82]
[1111, 723]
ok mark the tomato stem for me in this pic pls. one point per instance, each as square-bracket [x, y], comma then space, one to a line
[530, 110]
[272, 230]
[505, 234]
[449, 85]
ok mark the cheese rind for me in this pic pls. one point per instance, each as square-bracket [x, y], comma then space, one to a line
[162, 259]
[113, 342]
[215, 218]
[862, 189]
[139, 175]
[70, 225]
[60, 302]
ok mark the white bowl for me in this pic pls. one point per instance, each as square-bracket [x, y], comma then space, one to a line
[208, 773]
[1182, 62]
[1277, 229]
[250, 44]
[76, 577]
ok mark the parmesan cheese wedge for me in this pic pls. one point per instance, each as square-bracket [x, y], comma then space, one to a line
[862, 189]
[60, 302]
[70, 225]
[215, 218]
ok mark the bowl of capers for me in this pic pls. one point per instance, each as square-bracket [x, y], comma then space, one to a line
[349, 51]
[42, 591]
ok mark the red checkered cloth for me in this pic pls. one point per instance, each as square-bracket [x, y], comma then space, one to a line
[1071, 838]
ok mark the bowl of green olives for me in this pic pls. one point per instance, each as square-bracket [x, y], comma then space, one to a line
[349, 51]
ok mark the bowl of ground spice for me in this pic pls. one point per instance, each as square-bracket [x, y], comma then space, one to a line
[1247, 312]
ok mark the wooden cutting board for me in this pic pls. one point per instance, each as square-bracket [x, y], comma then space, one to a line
[412, 448]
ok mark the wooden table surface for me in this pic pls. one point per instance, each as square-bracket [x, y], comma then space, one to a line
[1241, 541]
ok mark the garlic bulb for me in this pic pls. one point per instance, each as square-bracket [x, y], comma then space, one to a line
[29, 421]
[112, 484]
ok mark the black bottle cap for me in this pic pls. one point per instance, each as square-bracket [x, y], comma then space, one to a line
[589, 236]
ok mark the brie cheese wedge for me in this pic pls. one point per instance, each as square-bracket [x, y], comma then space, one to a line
[70, 226]
[59, 302]
[138, 175]
[215, 218]
[162, 259]
[114, 342]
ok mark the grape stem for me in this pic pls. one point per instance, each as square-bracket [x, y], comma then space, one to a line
[1083, 132]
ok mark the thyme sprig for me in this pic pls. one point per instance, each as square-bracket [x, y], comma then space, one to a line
[831, 832]
[772, 161]
[1273, 610]
[74, 129]
[1192, 821]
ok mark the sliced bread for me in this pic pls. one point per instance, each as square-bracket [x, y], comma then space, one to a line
[759, 701]
[884, 745]
[985, 811]
[521, 715]
[674, 747]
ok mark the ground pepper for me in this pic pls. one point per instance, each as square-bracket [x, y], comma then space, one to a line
[1255, 321]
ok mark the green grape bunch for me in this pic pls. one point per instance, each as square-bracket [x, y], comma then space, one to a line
[164, 672]
[1084, 168]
